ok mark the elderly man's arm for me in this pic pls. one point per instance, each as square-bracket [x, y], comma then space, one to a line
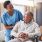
[15, 30]
[35, 32]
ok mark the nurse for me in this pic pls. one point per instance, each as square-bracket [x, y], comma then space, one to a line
[9, 18]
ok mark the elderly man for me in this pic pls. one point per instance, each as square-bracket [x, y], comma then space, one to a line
[26, 29]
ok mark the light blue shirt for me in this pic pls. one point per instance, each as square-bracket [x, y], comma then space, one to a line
[11, 20]
[6, 19]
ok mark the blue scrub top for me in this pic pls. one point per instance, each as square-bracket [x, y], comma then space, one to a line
[6, 19]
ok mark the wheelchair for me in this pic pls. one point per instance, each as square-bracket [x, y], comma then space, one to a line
[34, 39]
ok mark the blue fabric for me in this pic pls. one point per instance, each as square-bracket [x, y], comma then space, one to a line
[7, 35]
[6, 19]
[11, 20]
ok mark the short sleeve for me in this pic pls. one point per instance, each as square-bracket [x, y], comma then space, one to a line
[3, 20]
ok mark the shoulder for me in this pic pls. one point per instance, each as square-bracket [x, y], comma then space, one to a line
[4, 14]
[19, 22]
[35, 24]
[17, 11]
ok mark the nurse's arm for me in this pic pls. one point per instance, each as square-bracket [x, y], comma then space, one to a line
[3, 20]
[8, 27]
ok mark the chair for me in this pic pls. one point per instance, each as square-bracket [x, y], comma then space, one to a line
[35, 38]
[38, 38]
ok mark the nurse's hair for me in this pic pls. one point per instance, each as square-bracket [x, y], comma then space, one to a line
[6, 3]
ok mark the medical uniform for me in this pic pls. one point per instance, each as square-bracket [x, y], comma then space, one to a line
[6, 19]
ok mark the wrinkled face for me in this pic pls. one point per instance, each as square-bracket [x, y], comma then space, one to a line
[9, 7]
[27, 18]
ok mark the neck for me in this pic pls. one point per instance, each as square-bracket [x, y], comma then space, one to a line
[10, 13]
[28, 22]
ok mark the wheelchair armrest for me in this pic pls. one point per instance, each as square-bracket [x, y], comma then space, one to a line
[12, 37]
[36, 38]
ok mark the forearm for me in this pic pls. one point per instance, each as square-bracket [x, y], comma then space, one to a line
[33, 34]
[13, 33]
[8, 27]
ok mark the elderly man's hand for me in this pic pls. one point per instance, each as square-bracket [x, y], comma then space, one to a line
[23, 35]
